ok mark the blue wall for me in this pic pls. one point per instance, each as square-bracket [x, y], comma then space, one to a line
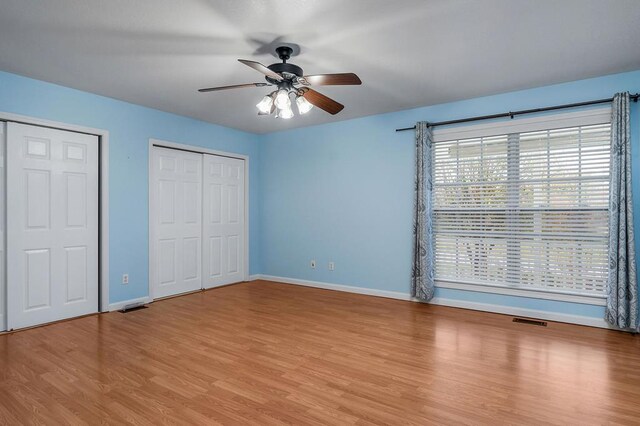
[338, 192]
[130, 127]
[342, 192]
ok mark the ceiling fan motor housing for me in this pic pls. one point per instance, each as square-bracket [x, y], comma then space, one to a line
[285, 68]
[287, 71]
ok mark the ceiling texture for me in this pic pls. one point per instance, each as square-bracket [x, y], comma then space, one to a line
[409, 53]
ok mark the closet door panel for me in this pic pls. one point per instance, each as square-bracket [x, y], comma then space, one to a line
[223, 221]
[3, 283]
[52, 182]
[176, 212]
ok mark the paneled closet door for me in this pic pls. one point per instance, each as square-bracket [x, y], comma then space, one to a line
[52, 225]
[3, 283]
[224, 221]
[176, 256]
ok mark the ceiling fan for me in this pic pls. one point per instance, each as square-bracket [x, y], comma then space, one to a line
[289, 79]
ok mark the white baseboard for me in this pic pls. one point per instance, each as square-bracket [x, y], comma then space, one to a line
[338, 287]
[523, 312]
[454, 303]
[119, 305]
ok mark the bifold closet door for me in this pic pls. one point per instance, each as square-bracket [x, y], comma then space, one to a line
[52, 225]
[176, 209]
[224, 221]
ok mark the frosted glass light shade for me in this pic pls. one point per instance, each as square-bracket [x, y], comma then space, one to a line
[304, 106]
[264, 106]
[282, 99]
[286, 113]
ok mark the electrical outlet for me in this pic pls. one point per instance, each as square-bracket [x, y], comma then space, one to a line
[332, 266]
[312, 264]
[125, 278]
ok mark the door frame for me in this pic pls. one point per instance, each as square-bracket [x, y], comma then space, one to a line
[198, 150]
[103, 196]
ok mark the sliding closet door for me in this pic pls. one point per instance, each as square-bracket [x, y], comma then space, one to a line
[3, 288]
[176, 212]
[224, 221]
[52, 225]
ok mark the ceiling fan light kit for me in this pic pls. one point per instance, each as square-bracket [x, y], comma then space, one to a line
[290, 80]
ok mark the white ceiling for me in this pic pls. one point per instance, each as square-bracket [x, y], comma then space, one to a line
[408, 53]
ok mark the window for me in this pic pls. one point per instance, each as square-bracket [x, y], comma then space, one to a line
[524, 205]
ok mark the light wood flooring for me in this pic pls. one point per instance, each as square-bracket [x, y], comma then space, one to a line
[268, 353]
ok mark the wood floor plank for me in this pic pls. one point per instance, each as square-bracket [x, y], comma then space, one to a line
[269, 353]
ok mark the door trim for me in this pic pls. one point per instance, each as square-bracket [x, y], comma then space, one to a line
[197, 150]
[103, 189]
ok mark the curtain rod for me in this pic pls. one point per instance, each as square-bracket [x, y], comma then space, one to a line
[512, 114]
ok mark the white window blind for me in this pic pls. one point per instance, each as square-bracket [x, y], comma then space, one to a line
[526, 210]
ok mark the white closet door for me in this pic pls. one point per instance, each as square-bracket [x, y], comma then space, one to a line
[3, 288]
[224, 221]
[52, 225]
[177, 214]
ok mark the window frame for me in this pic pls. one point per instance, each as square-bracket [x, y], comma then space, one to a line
[548, 121]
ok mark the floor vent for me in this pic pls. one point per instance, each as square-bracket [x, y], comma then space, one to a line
[530, 321]
[131, 308]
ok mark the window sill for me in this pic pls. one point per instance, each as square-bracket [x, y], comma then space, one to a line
[520, 292]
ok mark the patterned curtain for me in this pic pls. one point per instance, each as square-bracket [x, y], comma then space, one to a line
[422, 274]
[622, 287]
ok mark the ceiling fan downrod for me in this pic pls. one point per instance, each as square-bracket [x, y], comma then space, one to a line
[284, 53]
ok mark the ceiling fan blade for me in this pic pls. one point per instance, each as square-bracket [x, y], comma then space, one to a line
[261, 68]
[321, 101]
[343, 79]
[235, 86]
